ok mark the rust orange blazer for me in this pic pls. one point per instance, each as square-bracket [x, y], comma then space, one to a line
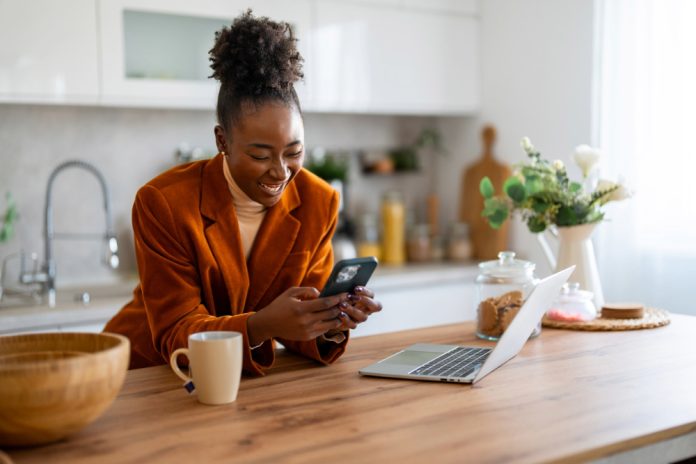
[193, 274]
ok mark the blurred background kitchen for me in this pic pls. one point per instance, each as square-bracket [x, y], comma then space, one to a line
[397, 95]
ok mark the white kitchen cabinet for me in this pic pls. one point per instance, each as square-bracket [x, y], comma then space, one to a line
[375, 58]
[48, 51]
[155, 52]
[421, 296]
[469, 7]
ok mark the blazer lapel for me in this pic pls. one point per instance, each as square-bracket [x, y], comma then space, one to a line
[222, 231]
[273, 244]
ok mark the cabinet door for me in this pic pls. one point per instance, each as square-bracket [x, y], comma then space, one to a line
[380, 59]
[155, 52]
[420, 306]
[48, 51]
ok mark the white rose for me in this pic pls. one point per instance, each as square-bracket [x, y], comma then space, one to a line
[526, 145]
[586, 158]
[558, 165]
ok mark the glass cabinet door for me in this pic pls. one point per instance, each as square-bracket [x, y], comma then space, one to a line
[155, 52]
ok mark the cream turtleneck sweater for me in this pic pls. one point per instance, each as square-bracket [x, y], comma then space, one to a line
[249, 213]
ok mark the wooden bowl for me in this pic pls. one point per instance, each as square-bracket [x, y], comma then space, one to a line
[53, 384]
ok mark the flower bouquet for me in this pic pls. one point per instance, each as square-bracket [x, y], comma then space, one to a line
[543, 194]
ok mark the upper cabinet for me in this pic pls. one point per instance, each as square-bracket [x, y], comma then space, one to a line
[361, 56]
[155, 52]
[380, 58]
[48, 51]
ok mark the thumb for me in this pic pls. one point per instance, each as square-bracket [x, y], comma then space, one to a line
[303, 293]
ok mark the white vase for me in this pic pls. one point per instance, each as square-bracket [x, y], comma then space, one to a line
[575, 248]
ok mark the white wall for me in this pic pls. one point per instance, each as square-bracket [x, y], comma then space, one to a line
[537, 58]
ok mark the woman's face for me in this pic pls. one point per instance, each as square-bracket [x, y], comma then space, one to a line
[265, 150]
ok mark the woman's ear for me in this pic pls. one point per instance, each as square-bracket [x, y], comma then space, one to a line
[220, 139]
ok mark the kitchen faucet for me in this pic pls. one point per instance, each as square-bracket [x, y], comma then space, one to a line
[47, 276]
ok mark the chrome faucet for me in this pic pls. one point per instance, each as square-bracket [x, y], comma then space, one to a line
[47, 276]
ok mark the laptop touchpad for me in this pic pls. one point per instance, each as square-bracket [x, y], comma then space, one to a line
[411, 358]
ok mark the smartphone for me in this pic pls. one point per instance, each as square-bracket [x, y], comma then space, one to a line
[348, 274]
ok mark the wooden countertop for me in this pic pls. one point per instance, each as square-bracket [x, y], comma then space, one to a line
[569, 396]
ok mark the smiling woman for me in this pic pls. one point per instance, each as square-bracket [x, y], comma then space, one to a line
[242, 242]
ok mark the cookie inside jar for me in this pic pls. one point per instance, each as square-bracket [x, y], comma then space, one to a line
[502, 286]
[496, 313]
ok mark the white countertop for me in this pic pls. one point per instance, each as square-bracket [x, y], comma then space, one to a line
[108, 300]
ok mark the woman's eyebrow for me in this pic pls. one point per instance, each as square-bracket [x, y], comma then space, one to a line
[270, 147]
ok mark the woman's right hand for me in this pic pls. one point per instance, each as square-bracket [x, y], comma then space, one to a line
[296, 314]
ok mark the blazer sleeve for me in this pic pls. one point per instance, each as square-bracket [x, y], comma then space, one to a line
[171, 284]
[318, 271]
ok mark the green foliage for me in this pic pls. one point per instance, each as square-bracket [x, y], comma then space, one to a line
[496, 211]
[515, 190]
[329, 167]
[9, 219]
[405, 158]
[486, 188]
[542, 193]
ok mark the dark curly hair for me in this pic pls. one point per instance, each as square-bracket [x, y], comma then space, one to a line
[256, 60]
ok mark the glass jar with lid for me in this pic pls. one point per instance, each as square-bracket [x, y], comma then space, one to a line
[501, 287]
[572, 305]
[418, 245]
[368, 236]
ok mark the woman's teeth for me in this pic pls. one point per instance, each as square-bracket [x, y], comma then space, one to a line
[271, 188]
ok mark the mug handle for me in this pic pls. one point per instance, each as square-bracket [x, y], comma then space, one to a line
[175, 367]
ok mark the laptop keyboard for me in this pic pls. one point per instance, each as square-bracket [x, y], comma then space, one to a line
[458, 362]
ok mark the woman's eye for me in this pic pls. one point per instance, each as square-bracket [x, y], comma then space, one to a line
[258, 157]
[294, 155]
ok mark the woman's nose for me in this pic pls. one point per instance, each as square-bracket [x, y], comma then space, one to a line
[279, 169]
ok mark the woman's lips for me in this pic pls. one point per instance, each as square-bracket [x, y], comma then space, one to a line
[272, 189]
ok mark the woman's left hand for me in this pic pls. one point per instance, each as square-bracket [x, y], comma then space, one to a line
[360, 305]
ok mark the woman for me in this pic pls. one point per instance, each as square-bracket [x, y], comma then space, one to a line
[242, 241]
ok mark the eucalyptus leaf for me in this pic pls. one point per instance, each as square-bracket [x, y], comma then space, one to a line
[486, 188]
[514, 189]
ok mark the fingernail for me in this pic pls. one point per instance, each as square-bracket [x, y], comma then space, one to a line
[342, 315]
[359, 289]
[352, 297]
[343, 305]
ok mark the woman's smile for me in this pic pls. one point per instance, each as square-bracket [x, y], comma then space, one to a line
[272, 189]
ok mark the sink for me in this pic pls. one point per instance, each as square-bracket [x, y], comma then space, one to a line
[23, 313]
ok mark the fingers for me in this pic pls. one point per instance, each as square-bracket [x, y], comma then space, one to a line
[363, 291]
[302, 293]
[322, 304]
[355, 314]
[367, 304]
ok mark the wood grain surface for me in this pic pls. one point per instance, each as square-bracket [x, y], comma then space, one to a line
[486, 241]
[569, 396]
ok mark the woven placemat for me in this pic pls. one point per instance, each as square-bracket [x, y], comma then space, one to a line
[652, 318]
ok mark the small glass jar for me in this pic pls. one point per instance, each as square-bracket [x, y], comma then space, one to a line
[419, 243]
[458, 243]
[501, 287]
[367, 236]
[572, 305]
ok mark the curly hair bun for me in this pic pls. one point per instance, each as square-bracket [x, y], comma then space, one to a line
[256, 56]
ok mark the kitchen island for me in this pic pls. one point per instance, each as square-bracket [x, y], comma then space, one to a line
[567, 397]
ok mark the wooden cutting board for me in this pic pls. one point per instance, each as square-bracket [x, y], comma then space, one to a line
[486, 241]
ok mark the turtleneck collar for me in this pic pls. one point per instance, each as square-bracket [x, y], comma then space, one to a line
[245, 207]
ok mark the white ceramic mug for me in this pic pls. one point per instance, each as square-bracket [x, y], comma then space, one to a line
[215, 363]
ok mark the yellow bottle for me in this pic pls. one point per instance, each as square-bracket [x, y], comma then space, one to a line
[393, 227]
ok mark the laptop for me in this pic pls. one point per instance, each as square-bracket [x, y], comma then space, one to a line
[462, 364]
